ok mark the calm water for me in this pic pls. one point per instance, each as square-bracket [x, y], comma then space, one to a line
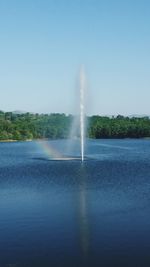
[68, 214]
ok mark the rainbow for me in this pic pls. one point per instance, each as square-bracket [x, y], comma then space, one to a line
[49, 150]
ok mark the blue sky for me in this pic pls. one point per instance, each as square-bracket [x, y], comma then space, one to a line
[44, 42]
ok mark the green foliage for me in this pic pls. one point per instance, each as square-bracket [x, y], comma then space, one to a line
[33, 126]
[119, 127]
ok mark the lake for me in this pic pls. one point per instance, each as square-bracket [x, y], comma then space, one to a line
[62, 213]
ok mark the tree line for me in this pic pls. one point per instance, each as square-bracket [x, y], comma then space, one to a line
[26, 126]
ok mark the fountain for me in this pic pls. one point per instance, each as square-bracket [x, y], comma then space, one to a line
[78, 128]
[77, 132]
[82, 111]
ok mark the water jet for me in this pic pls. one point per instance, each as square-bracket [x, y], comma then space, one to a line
[82, 111]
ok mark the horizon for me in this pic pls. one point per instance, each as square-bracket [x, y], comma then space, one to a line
[72, 114]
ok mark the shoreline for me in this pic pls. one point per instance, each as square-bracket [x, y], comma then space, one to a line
[47, 139]
[11, 141]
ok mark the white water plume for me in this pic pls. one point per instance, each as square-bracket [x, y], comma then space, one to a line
[78, 129]
[82, 111]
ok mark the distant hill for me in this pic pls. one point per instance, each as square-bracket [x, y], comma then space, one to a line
[139, 116]
[18, 112]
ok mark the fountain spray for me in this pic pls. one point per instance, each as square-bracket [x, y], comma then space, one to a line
[82, 111]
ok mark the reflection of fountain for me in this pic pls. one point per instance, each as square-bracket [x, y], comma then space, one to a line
[83, 217]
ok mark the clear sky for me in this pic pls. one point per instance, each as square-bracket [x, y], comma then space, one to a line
[43, 43]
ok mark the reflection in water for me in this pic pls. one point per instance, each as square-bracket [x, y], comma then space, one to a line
[83, 215]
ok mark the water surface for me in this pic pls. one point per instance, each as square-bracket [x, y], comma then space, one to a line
[64, 213]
